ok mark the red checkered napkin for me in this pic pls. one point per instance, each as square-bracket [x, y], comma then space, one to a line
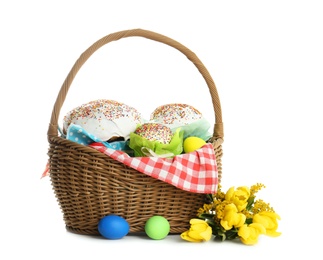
[195, 172]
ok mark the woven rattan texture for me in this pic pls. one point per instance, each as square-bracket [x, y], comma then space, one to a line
[89, 185]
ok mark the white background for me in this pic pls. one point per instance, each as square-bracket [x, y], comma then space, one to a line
[266, 60]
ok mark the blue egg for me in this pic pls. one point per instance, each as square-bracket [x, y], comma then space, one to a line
[113, 227]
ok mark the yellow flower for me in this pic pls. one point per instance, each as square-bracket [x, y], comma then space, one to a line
[249, 233]
[238, 196]
[206, 209]
[269, 221]
[198, 232]
[219, 208]
[231, 217]
[259, 206]
[255, 188]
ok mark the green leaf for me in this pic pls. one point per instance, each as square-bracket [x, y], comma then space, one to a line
[221, 235]
[251, 200]
[209, 198]
[206, 216]
[248, 221]
[231, 234]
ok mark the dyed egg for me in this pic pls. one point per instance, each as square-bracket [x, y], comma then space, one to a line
[113, 227]
[192, 143]
[157, 227]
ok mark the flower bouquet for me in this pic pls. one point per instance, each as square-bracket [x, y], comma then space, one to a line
[234, 214]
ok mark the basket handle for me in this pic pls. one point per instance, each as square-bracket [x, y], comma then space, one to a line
[218, 126]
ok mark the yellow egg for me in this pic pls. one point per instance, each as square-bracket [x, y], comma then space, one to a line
[192, 143]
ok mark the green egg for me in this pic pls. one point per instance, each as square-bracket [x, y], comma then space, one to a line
[157, 227]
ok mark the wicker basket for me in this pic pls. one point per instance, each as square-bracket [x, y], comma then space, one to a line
[89, 185]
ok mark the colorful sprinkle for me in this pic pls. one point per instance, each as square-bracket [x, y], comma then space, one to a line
[175, 114]
[94, 109]
[155, 132]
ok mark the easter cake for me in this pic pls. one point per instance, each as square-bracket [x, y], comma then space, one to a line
[183, 116]
[155, 132]
[175, 115]
[154, 139]
[106, 119]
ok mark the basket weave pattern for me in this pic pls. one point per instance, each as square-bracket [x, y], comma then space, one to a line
[89, 185]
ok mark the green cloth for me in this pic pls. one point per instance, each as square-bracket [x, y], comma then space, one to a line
[199, 128]
[175, 147]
